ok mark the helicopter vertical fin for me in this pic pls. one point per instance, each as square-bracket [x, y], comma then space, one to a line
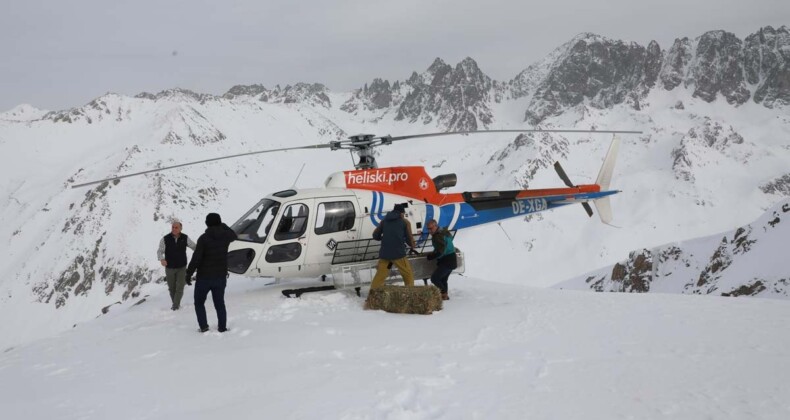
[605, 175]
[603, 205]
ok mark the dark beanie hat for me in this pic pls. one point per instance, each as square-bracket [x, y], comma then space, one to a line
[399, 208]
[213, 219]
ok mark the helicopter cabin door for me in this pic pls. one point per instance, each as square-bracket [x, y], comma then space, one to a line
[288, 245]
[336, 219]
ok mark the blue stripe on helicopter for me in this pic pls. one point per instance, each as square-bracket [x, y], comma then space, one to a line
[380, 211]
[470, 217]
[428, 216]
[446, 215]
[373, 209]
[376, 208]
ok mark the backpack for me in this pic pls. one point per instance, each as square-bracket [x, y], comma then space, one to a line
[449, 248]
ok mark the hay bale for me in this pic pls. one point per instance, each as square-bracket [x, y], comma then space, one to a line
[405, 300]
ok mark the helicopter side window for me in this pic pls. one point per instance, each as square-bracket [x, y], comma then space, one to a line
[255, 224]
[335, 216]
[293, 222]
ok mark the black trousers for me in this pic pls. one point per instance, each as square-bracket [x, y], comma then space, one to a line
[217, 288]
[440, 276]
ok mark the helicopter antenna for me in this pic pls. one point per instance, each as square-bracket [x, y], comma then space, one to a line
[504, 231]
[297, 177]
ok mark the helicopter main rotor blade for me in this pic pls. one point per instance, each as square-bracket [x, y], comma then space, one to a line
[535, 130]
[314, 146]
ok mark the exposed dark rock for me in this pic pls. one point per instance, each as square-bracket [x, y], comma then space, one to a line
[619, 272]
[779, 186]
[178, 94]
[718, 68]
[379, 95]
[676, 63]
[540, 151]
[766, 60]
[78, 279]
[457, 97]
[747, 290]
[244, 90]
[190, 124]
[312, 94]
[599, 70]
[708, 135]
[94, 111]
[106, 309]
[742, 241]
[720, 260]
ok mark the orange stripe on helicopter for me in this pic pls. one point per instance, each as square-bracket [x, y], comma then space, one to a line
[414, 182]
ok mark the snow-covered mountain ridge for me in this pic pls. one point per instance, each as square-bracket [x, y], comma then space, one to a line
[703, 165]
[748, 261]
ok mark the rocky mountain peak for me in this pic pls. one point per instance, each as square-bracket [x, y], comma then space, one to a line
[595, 69]
[766, 56]
[244, 90]
[436, 73]
[308, 93]
[457, 97]
[177, 94]
[718, 68]
[377, 95]
[108, 106]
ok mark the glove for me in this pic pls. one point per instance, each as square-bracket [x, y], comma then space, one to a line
[189, 281]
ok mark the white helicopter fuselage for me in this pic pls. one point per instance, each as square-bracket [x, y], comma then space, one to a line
[324, 217]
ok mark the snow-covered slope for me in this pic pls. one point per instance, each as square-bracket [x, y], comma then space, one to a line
[703, 165]
[494, 352]
[750, 260]
[22, 112]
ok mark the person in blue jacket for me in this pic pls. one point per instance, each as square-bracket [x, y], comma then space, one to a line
[394, 232]
[444, 254]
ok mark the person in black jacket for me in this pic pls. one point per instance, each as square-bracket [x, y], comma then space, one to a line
[444, 254]
[394, 232]
[172, 254]
[210, 260]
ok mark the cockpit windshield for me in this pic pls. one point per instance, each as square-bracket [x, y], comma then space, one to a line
[254, 226]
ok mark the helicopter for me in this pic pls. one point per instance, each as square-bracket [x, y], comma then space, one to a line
[295, 233]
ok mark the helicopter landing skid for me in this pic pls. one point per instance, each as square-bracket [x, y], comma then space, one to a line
[299, 292]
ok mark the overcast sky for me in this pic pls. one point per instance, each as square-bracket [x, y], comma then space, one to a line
[59, 54]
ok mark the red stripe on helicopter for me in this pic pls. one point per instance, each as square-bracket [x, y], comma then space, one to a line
[414, 182]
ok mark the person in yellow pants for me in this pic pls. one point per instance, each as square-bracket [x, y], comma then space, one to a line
[395, 234]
